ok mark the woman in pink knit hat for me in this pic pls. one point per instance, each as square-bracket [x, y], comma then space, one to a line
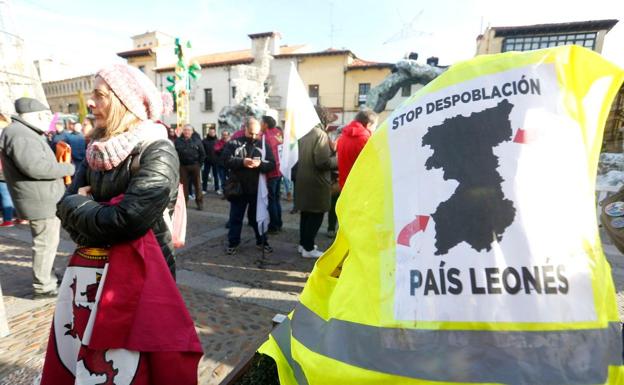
[128, 154]
[119, 313]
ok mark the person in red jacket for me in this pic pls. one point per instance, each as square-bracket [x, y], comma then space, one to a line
[275, 140]
[352, 140]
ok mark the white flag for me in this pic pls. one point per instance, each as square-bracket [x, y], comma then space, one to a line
[300, 118]
[262, 199]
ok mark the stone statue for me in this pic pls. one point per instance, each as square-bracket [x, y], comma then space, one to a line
[405, 72]
[252, 89]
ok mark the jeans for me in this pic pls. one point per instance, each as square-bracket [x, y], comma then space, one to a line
[46, 236]
[210, 167]
[238, 206]
[288, 185]
[76, 164]
[275, 207]
[308, 228]
[332, 219]
[223, 173]
[7, 204]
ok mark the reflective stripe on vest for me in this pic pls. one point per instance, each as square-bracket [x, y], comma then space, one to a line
[281, 334]
[508, 357]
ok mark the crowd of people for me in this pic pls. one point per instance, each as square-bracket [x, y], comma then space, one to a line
[235, 163]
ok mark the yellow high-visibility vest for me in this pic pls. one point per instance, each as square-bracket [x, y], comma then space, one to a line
[468, 250]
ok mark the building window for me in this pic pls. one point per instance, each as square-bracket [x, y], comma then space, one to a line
[363, 89]
[142, 69]
[313, 93]
[233, 92]
[406, 91]
[207, 99]
[313, 90]
[527, 43]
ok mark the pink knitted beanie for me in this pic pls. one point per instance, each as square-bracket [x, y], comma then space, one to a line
[136, 91]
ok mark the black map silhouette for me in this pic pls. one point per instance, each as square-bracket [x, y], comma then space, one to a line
[477, 212]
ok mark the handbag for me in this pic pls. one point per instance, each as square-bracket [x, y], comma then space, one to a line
[176, 221]
[232, 187]
[178, 233]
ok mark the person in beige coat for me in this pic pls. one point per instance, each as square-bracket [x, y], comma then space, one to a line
[313, 187]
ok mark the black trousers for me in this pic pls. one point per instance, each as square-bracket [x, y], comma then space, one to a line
[309, 226]
[332, 219]
[190, 175]
[238, 206]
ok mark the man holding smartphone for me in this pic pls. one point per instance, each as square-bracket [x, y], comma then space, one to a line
[244, 158]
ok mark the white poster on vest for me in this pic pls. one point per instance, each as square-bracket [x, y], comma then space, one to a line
[493, 206]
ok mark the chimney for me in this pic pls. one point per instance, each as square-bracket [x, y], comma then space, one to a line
[272, 39]
[413, 56]
[432, 61]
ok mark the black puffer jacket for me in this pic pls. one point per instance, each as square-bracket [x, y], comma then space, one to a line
[234, 153]
[209, 143]
[190, 151]
[148, 192]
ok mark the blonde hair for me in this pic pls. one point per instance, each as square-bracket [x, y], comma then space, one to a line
[119, 119]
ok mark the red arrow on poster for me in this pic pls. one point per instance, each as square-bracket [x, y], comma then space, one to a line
[522, 137]
[417, 225]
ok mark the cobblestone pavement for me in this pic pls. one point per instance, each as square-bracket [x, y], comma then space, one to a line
[231, 298]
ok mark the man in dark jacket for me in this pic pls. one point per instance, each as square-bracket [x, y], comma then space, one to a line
[210, 164]
[60, 134]
[222, 172]
[34, 178]
[192, 155]
[244, 158]
[77, 142]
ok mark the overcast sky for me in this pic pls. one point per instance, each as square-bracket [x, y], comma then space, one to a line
[89, 33]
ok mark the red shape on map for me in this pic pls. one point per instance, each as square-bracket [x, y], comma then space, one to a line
[522, 137]
[407, 232]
